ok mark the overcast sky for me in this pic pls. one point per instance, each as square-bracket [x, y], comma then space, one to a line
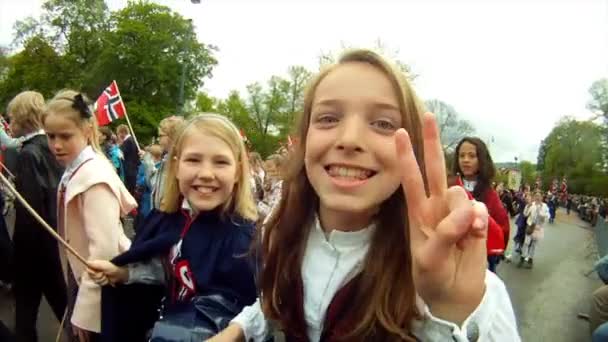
[512, 68]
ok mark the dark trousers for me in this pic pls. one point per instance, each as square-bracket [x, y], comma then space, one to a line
[493, 261]
[5, 334]
[36, 275]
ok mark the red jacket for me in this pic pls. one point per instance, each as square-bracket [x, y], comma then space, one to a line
[498, 212]
[495, 243]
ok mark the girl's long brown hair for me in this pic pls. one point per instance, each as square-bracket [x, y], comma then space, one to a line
[384, 303]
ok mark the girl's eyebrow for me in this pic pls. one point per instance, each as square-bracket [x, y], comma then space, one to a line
[385, 105]
[199, 154]
[375, 104]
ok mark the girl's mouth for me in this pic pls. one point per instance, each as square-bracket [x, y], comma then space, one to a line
[347, 173]
[201, 189]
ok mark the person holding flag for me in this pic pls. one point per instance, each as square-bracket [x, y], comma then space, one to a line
[91, 201]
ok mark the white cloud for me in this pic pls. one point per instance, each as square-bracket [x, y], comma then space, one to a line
[511, 67]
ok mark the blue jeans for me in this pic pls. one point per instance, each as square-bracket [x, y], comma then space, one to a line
[600, 334]
[493, 261]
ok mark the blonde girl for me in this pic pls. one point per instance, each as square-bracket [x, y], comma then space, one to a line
[167, 134]
[35, 249]
[195, 247]
[368, 243]
[91, 200]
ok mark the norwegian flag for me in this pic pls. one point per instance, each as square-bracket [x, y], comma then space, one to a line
[243, 136]
[109, 105]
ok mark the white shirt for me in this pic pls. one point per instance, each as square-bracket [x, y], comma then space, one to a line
[85, 154]
[330, 262]
[469, 185]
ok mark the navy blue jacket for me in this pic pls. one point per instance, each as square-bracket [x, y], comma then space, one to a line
[217, 250]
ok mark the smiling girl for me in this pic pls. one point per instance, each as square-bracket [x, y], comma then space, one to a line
[368, 243]
[92, 199]
[194, 247]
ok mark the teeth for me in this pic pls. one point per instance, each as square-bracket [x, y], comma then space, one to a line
[204, 189]
[347, 172]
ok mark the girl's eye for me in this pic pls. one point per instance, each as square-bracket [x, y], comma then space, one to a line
[223, 162]
[384, 125]
[327, 119]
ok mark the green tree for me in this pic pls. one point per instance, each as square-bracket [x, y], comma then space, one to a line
[75, 29]
[528, 172]
[293, 86]
[205, 103]
[599, 98]
[542, 153]
[81, 44]
[576, 149]
[37, 67]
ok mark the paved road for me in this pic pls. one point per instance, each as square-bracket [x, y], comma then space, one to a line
[548, 297]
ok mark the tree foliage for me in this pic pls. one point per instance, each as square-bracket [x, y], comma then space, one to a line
[599, 98]
[528, 172]
[577, 150]
[82, 45]
[267, 111]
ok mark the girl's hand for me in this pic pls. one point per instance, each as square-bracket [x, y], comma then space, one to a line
[104, 272]
[447, 231]
[81, 335]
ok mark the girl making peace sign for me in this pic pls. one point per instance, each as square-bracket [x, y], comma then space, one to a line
[368, 243]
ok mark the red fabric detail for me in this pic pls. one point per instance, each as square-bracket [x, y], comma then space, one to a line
[498, 212]
[335, 325]
[495, 242]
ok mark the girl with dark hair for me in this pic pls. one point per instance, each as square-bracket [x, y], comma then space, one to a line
[474, 163]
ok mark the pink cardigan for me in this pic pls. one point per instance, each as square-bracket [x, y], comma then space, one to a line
[95, 199]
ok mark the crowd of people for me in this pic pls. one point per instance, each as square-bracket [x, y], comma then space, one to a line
[335, 237]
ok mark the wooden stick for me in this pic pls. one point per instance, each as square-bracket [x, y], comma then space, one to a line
[8, 171]
[41, 220]
[132, 131]
[58, 338]
[128, 121]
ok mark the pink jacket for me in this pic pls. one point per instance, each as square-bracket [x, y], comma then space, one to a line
[95, 199]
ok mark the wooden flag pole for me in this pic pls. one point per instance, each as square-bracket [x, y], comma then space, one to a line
[127, 117]
[8, 171]
[41, 220]
[132, 131]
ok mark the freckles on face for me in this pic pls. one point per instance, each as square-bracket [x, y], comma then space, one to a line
[350, 154]
[206, 170]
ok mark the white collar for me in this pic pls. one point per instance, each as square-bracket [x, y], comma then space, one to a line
[86, 154]
[469, 185]
[338, 238]
[31, 135]
[188, 208]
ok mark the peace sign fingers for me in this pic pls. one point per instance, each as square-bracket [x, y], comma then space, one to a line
[411, 179]
[434, 159]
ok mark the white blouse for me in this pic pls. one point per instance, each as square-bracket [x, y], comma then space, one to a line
[333, 260]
